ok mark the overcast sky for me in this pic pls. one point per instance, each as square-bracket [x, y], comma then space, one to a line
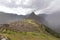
[27, 6]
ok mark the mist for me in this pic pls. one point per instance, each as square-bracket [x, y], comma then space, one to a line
[54, 21]
[24, 7]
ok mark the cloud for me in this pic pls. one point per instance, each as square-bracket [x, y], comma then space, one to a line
[23, 6]
[36, 4]
[18, 10]
[25, 3]
[54, 6]
[18, 2]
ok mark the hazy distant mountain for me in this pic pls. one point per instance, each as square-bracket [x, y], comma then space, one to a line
[54, 20]
[6, 17]
[43, 15]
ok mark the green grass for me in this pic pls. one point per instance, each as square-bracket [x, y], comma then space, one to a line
[28, 35]
[17, 35]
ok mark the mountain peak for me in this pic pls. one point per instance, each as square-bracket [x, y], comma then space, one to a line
[32, 14]
[35, 17]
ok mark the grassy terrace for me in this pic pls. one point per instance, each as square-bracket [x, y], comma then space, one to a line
[33, 35]
[27, 35]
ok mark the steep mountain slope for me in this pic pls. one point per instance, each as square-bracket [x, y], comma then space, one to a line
[27, 29]
[36, 17]
[43, 15]
[41, 18]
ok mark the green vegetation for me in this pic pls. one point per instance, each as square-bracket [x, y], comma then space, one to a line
[29, 36]
[36, 31]
[52, 32]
